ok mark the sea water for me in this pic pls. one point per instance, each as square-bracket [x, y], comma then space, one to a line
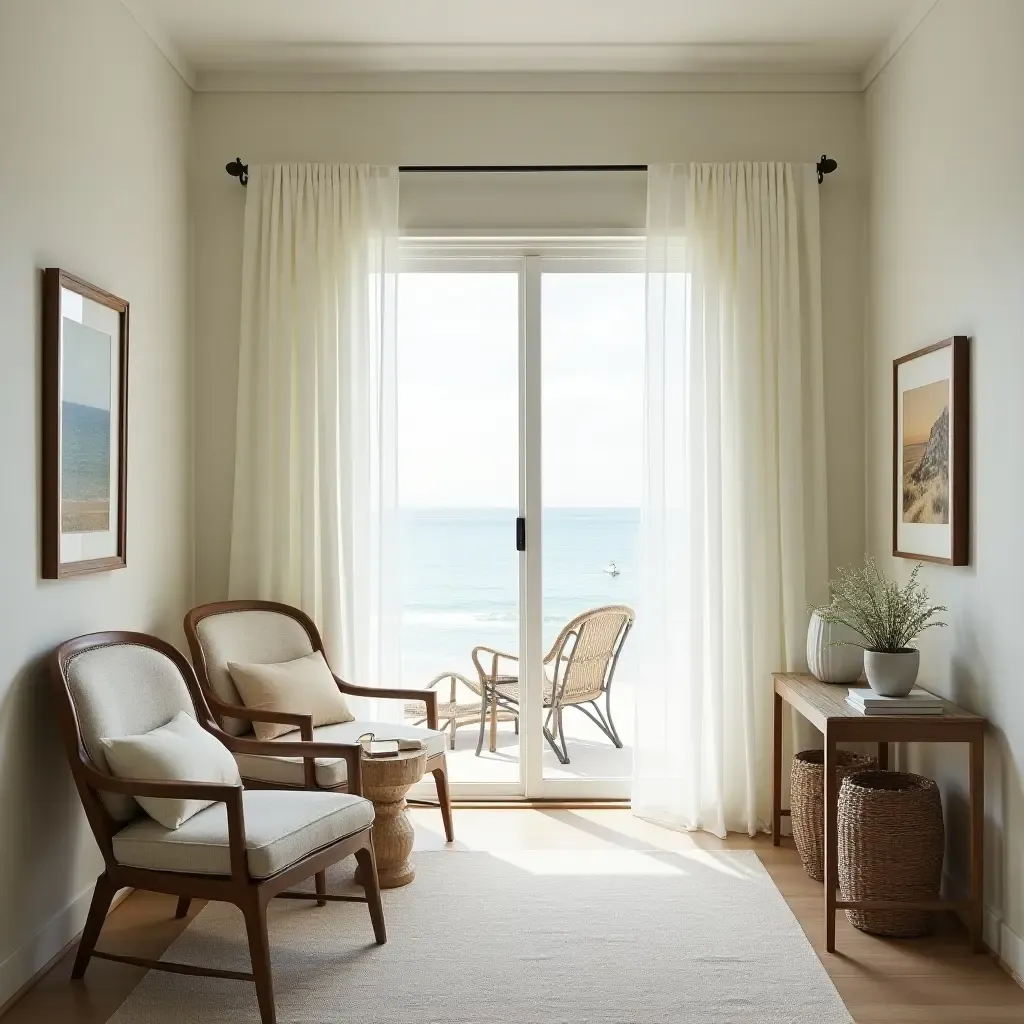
[460, 580]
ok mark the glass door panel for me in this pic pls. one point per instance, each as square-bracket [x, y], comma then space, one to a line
[592, 367]
[458, 484]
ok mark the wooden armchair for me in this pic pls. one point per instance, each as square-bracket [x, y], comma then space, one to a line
[245, 849]
[265, 632]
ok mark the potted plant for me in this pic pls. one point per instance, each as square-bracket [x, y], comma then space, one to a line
[887, 618]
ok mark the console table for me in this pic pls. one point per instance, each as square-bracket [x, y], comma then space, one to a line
[824, 706]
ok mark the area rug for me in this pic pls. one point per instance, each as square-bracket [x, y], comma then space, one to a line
[537, 937]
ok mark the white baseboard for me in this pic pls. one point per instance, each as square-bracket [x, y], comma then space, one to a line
[1007, 945]
[25, 965]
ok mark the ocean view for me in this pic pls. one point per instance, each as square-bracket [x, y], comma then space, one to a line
[460, 580]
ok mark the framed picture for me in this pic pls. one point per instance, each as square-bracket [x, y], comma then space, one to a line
[931, 427]
[85, 427]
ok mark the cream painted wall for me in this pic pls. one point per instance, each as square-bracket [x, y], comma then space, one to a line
[946, 257]
[94, 124]
[511, 128]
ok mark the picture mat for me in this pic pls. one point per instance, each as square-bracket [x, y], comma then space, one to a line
[76, 547]
[929, 539]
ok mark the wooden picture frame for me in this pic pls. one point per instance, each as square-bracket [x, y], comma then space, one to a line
[84, 427]
[931, 453]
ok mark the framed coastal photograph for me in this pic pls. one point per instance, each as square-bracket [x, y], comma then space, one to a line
[85, 427]
[931, 471]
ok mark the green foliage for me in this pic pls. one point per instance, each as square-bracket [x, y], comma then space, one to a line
[887, 616]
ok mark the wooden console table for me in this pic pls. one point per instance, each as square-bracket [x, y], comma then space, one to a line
[824, 706]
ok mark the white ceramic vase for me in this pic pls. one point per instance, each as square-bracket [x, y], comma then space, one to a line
[892, 673]
[832, 664]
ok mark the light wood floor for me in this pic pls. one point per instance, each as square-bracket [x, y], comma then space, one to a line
[935, 979]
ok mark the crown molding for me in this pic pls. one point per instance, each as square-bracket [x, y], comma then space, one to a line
[614, 58]
[284, 81]
[907, 27]
[161, 40]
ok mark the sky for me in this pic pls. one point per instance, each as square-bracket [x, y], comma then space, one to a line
[921, 408]
[458, 402]
[86, 370]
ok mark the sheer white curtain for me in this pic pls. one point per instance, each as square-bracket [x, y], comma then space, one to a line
[315, 464]
[733, 531]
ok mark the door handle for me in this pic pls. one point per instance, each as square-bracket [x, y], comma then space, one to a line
[520, 534]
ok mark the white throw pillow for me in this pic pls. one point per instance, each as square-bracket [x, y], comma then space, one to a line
[305, 686]
[183, 751]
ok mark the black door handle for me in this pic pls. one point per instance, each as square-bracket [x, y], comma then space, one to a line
[520, 534]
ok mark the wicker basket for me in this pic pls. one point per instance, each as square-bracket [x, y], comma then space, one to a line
[806, 801]
[891, 843]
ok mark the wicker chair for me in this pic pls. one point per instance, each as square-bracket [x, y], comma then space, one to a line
[452, 713]
[579, 670]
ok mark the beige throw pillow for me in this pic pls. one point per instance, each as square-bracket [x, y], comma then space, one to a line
[305, 686]
[182, 750]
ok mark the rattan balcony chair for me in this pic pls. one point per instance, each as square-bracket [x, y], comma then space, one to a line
[579, 670]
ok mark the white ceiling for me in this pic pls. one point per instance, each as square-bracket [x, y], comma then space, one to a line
[352, 36]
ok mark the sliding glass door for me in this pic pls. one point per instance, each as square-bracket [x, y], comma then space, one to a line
[519, 390]
[458, 494]
[592, 345]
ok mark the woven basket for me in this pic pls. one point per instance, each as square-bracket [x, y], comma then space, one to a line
[891, 843]
[806, 801]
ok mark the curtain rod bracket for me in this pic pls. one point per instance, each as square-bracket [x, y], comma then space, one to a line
[826, 165]
[238, 170]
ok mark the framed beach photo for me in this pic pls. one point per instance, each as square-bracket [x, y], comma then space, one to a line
[931, 471]
[85, 427]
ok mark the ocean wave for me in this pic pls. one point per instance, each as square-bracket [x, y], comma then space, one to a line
[469, 620]
[456, 619]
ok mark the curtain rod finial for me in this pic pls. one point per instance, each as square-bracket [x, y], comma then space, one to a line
[238, 170]
[826, 165]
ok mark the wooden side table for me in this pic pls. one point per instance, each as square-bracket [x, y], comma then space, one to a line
[386, 780]
[824, 706]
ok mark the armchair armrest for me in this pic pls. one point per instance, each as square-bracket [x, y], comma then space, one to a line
[175, 789]
[496, 655]
[308, 750]
[304, 723]
[429, 697]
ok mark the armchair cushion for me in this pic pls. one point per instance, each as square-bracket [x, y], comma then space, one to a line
[331, 772]
[305, 686]
[182, 750]
[123, 689]
[280, 829]
[261, 637]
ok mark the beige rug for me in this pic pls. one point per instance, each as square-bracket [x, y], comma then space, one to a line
[539, 937]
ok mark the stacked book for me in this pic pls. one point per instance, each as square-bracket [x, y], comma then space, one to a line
[917, 702]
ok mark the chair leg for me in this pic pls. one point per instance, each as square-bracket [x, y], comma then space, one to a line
[483, 721]
[368, 873]
[556, 740]
[255, 913]
[181, 910]
[102, 896]
[606, 725]
[444, 798]
[561, 737]
[321, 887]
[616, 739]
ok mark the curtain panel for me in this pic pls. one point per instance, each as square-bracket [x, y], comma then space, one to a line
[733, 519]
[315, 474]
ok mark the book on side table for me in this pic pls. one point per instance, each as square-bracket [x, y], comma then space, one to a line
[917, 702]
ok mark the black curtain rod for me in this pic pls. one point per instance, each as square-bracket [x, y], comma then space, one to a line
[826, 165]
